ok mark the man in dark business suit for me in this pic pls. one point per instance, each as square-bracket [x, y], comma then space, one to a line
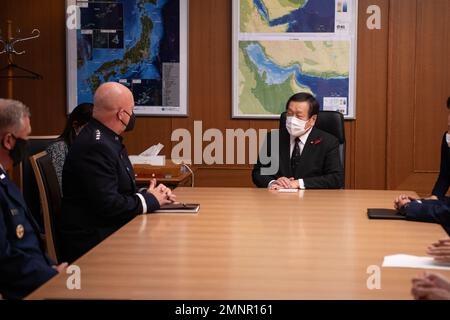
[24, 266]
[437, 207]
[308, 157]
[99, 188]
[443, 182]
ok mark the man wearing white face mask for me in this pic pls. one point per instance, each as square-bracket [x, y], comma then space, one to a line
[308, 156]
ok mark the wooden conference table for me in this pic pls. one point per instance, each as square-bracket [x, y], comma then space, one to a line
[253, 244]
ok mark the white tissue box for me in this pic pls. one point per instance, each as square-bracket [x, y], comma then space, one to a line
[152, 160]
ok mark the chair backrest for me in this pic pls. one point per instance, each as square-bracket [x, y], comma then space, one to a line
[50, 198]
[27, 180]
[331, 122]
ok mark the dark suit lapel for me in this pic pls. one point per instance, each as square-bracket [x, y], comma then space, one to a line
[313, 136]
[306, 152]
[285, 156]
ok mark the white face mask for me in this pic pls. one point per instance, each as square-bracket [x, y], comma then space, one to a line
[296, 126]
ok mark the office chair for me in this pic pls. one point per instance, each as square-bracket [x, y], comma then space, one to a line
[50, 198]
[331, 122]
[27, 180]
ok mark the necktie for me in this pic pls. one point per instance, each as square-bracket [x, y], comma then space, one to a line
[295, 158]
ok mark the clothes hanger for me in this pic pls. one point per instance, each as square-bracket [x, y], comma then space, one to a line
[9, 49]
[8, 46]
[26, 74]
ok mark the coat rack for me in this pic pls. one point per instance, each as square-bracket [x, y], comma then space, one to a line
[8, 47]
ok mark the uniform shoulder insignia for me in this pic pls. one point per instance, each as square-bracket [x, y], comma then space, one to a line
[97, 134]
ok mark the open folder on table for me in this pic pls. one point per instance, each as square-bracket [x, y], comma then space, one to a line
[179, 208]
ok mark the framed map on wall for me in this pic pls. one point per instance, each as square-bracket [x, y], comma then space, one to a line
[281, 47]
[139, 43]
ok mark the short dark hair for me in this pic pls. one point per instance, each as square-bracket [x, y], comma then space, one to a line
[448, 103]
[314, 106]
[82, 114]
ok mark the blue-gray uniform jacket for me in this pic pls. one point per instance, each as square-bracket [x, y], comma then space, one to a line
[99, 191]
[23, 264]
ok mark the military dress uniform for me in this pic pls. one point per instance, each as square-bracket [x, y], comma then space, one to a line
[23, 264]
[99, 191]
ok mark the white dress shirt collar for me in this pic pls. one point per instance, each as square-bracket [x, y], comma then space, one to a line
[303, 138]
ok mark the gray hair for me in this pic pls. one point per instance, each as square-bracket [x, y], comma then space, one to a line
[11, 114]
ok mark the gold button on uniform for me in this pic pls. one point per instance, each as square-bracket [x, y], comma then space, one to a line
[20, 231]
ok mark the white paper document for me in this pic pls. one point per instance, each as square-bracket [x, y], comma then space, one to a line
[409, 261]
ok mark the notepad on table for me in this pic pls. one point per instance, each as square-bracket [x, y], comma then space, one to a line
[179, 208]
[287, 190]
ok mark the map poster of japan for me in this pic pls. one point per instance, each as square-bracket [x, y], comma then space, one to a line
[141, 44]
[281, 47]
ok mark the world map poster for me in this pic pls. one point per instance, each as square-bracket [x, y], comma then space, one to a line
[141, 44]
[281, 47]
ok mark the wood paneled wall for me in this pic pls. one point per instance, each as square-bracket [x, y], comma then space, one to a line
[45, 55]
[419, 75]
[402, 81]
